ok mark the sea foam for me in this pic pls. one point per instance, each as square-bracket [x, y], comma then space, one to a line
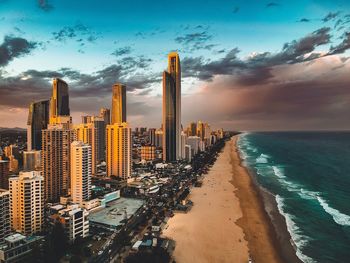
[338, 217]
[298, 239]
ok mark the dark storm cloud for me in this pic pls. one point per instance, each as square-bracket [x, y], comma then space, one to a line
[330, 16]
[138, 62]
[257, 67]
[122, 51]
[343, 46]
[14, 47]
[34, 84]
[272, 4]
[45, 5]
[195, 41]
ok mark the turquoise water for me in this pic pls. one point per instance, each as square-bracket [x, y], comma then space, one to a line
[309, 174]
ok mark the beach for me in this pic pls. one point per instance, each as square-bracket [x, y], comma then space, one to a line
[228, 222]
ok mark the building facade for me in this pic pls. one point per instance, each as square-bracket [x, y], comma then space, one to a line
[27, 202]
[5, 227]
[118, 150]
[80, 167]
[118, 103]
[172, 109]
[4, 174]
[38, 119]
[55, 161]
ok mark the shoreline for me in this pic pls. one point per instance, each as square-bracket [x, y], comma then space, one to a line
[277, 226]
[232, 218]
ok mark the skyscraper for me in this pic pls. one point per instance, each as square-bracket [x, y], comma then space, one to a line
[4, 174]
[118, 154]
[27, 202]
[5, 228]
[59, 102]
[118, 103]
[80, 163]
[152, 136]
[106, 115]
[55, 160]
[172, 109]
[31, 160]
[38, 119]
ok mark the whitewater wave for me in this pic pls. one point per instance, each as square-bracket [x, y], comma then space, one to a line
[338, 217]
[298, 239]
[263, 158]
[278, 171]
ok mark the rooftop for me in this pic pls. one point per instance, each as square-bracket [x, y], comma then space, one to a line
[114, 213]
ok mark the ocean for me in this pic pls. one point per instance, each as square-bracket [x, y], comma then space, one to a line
[309, 175]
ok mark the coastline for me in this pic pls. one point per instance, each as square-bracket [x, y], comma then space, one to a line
[232, 218]
[275, 224]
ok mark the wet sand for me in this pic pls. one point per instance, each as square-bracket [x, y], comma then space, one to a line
[228, 221]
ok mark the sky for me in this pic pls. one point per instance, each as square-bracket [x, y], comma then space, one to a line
[246, 65]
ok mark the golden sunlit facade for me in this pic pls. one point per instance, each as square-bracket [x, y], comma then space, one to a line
[27, 202]
[80, 163]
[59, 101]
[118, 103]
[118, 150]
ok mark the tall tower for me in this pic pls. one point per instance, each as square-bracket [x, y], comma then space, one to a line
[55, 159]
[118, 103]
[38, 119]
[93, 133]
[59, 101]
[80, 163]
[172, 109]
[118, 154]
[4, 174]
[27, 202]
[106, 115]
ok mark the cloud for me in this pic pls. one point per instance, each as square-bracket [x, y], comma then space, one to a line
[272, 4]
[14, 47]
[195, 41]
[330, 16]
[292, 52]
[343, 46]
[304, 20]
[45, 5]
[81, 33]
[122, 51]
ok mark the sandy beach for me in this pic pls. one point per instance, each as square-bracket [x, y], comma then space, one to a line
[228, 221]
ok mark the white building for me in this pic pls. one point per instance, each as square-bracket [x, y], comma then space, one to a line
[80, 171]
[194, 141]
[27, 202]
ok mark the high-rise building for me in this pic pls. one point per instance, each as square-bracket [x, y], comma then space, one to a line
[4, 174]
[13, 164]
[5, 228]
[59, 101]
[194, 142]
[148, 152]
[152, 136]
[86, 119]
[38, 119]
[193, 129]
[100, 127]
[55, 160]
[32, 160]
[188, 152]
[80, 167]
[27, 202]
[201, 130]
[118, 103]
[172, 109]
[118, 153]
[159, 138]
[183, 144]
[106, 115]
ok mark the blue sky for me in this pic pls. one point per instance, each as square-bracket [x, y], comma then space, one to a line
[83, 35]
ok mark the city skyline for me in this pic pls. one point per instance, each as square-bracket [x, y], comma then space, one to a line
[264, 65]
